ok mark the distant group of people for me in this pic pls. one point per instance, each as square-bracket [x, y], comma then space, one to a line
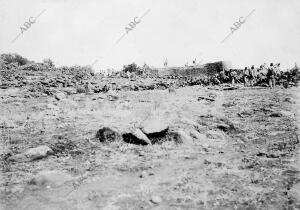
[254, 75]
[251, 76]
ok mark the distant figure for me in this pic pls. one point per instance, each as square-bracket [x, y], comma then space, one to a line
[259, 74]
[278, 73]
[277, 68]
[263, 72]
[246, 75]
[166, 63]
[87, 87]
[144, 69]
[222, 77]
[271, 76]
[171, 88]
[194, 62]
[214, 80]
[105, 88]
[66, 83]
[252, 76]
[232, 76]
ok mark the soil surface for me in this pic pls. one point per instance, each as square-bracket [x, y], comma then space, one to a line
[240, 150]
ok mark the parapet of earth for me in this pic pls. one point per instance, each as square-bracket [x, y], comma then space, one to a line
[208, 69]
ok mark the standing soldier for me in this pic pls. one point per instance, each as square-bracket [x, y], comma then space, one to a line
[222, 77]
[145, 68]
[259, 74]
[271, 76]
[277, 68]
[277, 72]
[263, 73]
[105, 88]
[166, 63]
[87, 87]
[246, 75]
[252, 76]
[232, 76]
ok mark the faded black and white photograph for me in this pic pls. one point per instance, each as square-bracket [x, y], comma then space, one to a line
[149, 105]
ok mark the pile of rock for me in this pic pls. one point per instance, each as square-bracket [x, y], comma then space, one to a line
[151, 131]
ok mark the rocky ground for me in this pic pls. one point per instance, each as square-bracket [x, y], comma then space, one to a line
[192, 148]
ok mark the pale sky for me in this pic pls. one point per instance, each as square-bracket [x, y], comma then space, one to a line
[84, 32]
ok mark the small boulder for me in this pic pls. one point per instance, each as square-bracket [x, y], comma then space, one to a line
[112, 95]
[156, 199]
[70, 90]
[136, 136]
[276, 114]
[52, 106]
[32, 154]
[196, 135]
[211, 134]
[106, 134]
[101, 96]
[287, 114]
[180, 137]
[226, 127]
[184, 137]
[154, 127]
[288, 100]
[144, 174]
[50, 178]
[60, 96]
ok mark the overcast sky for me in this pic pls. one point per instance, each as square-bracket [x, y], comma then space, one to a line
[84, 32]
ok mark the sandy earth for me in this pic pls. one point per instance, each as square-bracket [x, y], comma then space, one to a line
[241, 150]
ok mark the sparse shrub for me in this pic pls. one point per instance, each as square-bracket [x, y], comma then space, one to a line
[78, 73]
[80, 89]
[49, 62]
[132, 68]
[13, 58]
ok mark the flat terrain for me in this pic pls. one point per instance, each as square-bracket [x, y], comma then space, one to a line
[239, 150]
